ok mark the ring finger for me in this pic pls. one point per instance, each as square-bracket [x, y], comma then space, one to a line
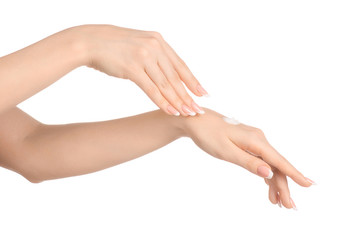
[173, 77]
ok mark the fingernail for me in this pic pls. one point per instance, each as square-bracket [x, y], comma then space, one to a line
[172, 110]
[197, 107]
[202, 91]
[264, 172]
[293, 204]
[279, 202]
[188, 110]
[311, 181]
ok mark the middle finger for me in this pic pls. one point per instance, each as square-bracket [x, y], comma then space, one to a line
[174, 79]
[166, 89]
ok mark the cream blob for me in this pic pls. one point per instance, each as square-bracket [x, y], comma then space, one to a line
[232, 121]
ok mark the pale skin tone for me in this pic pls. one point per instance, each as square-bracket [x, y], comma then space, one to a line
[41, 152]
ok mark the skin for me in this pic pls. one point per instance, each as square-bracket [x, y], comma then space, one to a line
[140, 56]
[41, 152]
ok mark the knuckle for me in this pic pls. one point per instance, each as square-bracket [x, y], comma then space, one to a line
[153, 42]
[164, 85]
[181, 63]
[143, 52]
[151, 90]
[155, 34]
[258, 133]
[174, 76]
[163, 103]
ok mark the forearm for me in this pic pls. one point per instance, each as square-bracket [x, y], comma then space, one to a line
[57, 151]
[31, 69]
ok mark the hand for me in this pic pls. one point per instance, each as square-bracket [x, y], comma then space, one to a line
[145, 58]
[247, 147]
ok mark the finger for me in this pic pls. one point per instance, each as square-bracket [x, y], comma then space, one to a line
[281, 183]
[273, 194]
[173, 77]
[273, 190]
[164, 86]
[146, 84]
[257, 144]
[184, 72]
[271, 156]
[279, 201]
[251, 163]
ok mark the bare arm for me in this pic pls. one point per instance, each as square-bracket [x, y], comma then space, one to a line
[144, 57]
[31, 69]
[41, 152]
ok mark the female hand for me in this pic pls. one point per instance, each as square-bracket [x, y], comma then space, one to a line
[247, 147]
[145, 58]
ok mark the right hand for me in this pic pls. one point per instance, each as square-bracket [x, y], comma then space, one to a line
[145, 58]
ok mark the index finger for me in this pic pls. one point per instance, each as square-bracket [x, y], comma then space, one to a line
[184, 72]
[272, 157]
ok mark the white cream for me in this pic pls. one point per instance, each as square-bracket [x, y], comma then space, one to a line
[232, 121]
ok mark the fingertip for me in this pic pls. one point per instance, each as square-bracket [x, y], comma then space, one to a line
[286, 203]
[310, 181]
[279, 201]
[299, 178]
[201, 92]
[305, 182]
[172, 111]
[197, 108]
[265, 172]
[273, 195]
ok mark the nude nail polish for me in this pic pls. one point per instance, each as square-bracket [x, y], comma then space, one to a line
[172, 110]
[279, 202]
[197, 107]
[201, 90]
[188, 110]
[311, 181]
[264, 172]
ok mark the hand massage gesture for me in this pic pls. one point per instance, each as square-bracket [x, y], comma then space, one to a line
[42, 152]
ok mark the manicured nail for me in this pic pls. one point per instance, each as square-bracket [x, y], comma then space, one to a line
[197, 107]
[311, 181]
[173, 111]
[279, 204]
[188, 110]
[201, 90]
[264, 172]
[293, 204]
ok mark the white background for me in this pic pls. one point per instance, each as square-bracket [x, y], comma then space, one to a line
[291, 68]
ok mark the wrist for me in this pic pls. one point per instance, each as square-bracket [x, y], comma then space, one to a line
[186, 125]
[80, 44]
[179, 124]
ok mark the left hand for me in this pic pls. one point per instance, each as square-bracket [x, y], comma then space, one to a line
[247, 147]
